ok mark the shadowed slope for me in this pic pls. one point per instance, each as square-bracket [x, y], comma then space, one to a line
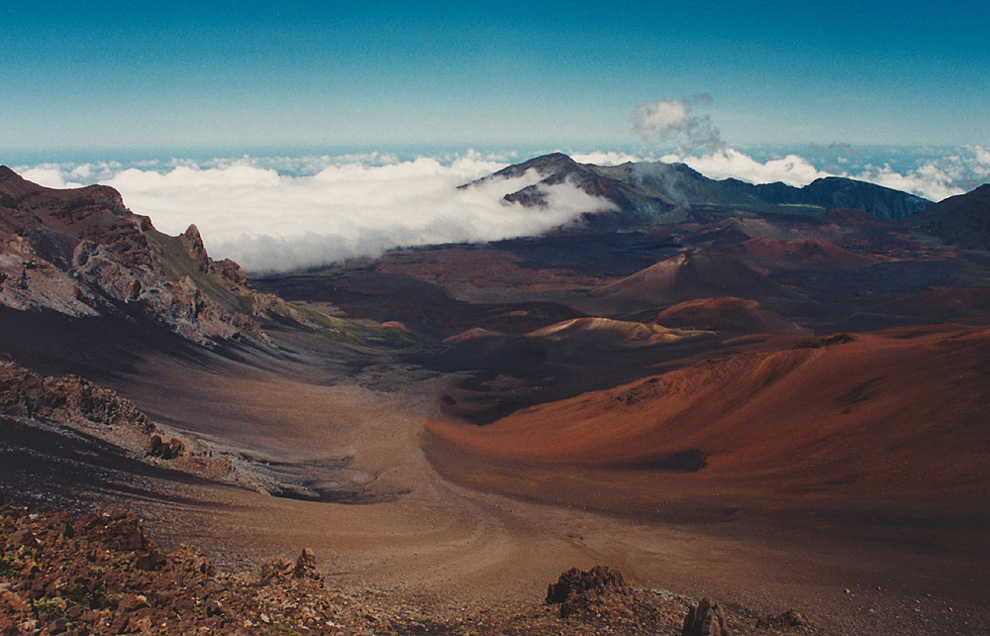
[963, 220]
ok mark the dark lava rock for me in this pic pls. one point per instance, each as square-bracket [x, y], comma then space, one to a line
[578, 591]
[790, 618]
[837, 339]
[166, 450]
[705, 619]
[278, 569]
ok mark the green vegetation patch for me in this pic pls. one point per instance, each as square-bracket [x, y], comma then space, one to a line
[360, 333]
[178, 264]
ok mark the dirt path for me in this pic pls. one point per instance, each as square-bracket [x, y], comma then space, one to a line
[446, 545]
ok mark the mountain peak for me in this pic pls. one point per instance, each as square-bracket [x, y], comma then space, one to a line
[555, 164]
[665, 193]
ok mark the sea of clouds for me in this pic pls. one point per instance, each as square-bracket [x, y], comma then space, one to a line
[290, 211]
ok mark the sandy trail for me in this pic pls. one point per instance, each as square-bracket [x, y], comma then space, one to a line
[439, 543]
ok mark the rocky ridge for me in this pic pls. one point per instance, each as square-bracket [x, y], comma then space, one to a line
[664, 193]
[82, 253]
[71, 404]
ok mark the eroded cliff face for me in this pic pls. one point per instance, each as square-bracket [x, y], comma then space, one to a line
[81, 252]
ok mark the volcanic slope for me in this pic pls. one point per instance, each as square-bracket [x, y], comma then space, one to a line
[730, 314]
[847, 418]
[688, 276]
[963, 220]
[816, 253]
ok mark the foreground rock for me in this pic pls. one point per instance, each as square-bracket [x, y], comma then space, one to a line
[598, 589]
[705, 619]
[101, 574]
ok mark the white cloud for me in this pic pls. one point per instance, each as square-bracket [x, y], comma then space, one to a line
[284, 212]
[268, 221]
[661, 119]
[982, 155]
[933, 178]
[728, 162]
[48, 175]
[928, 180]
[605, 158]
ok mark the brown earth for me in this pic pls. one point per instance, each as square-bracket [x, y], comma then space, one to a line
[734, 315]
[101, 574]
[688, 276]
[969, 303]
[850, 420]
[816, 253]
[839, 478]
[422, 541]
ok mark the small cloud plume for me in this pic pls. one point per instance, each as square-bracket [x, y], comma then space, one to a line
[672, 121]
[662, 176]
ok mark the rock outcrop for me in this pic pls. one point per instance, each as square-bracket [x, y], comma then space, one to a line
[578, 592]
[81, 252]
[66, 398]
[71, 405]
[705, 619]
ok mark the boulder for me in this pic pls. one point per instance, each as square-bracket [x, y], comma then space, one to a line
[306, 565]
[576, 591]
[280, 568]
[705, 619]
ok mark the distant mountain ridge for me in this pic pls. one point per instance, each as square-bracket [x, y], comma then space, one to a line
[963, 220]
[674, 192]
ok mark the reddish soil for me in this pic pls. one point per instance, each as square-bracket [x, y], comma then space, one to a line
[942, 301]
[817, 253]
[482, 268]
[688, 276]
[850, 420]
[730, 314]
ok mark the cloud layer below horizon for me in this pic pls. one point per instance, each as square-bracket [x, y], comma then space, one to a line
[269, 221]
[284, 213]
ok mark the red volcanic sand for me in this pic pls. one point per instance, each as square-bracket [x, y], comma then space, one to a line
[731, 314]
[692, 275]
[941, 301]
[472, 334]
[607, 331]
[894, 414]
[477, 267]
[814, 253]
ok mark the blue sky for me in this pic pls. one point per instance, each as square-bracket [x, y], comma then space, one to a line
[181, 74]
